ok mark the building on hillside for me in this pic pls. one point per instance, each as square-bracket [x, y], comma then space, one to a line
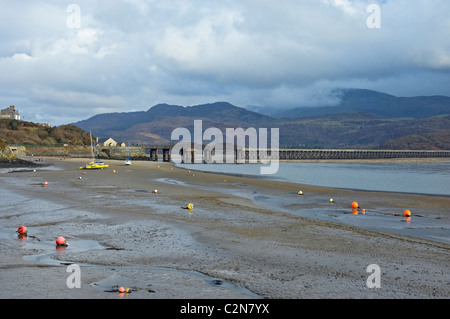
[10, 113]
[108, 142]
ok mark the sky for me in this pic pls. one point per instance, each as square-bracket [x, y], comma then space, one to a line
[65, 61]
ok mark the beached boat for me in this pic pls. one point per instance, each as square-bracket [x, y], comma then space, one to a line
[128, 162]
[94, 164]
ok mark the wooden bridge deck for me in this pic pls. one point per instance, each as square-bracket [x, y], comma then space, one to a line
[358, 154]
[307, 154]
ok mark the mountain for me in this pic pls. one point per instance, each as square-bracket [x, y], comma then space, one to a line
[363, 130]
[361, 100]
[364, 119]
[156, 124]
[427, 141]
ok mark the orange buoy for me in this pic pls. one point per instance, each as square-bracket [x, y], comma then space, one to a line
[407, 213]
[61, 241]
[121, 290]
[155, 191]
[22, 230]
[355, 205]
[45, 183]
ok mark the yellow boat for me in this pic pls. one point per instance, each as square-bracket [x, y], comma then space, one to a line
[95, 165]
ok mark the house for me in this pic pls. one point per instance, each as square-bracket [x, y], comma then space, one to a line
[108, 142]
[10, 113]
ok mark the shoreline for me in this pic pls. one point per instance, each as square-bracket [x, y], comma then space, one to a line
[310, 185]
[20, 163]
[131, 235]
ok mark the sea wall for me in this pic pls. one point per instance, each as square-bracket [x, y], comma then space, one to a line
[68, 151]
[136, 153]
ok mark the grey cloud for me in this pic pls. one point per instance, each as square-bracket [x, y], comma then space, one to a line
[131, 54]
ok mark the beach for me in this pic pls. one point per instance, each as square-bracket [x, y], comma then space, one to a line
[230, 246]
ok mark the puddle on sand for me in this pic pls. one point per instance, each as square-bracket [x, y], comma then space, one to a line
[50, 250]
[141, 191]
[155, 282]
[152, 281]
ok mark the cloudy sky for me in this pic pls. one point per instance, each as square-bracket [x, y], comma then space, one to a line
[64, 61]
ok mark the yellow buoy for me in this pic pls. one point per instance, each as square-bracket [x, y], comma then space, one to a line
[190, 206]
[331, 200]
[300, 193]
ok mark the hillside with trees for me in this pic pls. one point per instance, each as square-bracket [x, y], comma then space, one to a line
[14, 132]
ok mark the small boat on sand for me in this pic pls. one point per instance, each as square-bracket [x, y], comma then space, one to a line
[95, 163]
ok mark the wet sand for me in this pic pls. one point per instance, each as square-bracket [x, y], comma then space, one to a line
[232, 245]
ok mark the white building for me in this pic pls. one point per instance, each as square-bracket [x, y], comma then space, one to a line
[10, 113]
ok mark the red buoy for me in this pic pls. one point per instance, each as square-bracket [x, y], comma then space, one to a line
[61, 241]
[22, 230]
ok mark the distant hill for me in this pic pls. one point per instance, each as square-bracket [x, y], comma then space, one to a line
[428, 141]
[361, 130]
[157, 124]
[389, 106]
[28, 133]
[364, 119]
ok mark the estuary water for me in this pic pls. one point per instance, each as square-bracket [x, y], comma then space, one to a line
[412, 178]
[415, 178]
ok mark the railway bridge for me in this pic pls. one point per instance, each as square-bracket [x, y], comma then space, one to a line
[240, 154]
